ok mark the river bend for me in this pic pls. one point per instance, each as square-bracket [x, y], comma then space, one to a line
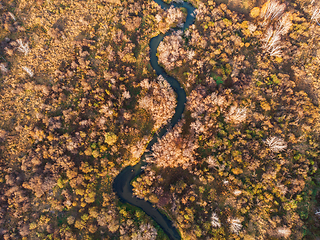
[121, 184]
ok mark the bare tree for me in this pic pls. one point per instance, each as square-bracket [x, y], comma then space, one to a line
[274, 10]
[12, 16]
[23, 47]
[276, 144]
[190, 54]
[3, 68]
[215, 221]
[272, 42]
[283, 25]
[212, 162]
[145, 232]
[28, 70]
[236, 114]
[315, 15]
[158, 18]
[283, 232]
[235, 224]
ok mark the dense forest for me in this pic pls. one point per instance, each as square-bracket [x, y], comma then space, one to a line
[80, 101]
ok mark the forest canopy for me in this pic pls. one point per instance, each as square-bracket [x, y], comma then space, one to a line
[80, 101]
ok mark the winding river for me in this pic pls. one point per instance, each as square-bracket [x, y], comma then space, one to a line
[121, 184]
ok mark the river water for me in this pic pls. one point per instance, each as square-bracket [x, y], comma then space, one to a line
[121, 184]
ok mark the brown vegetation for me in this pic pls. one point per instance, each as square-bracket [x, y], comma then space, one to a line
[254, 171]
[160, 101]
[70, 82]
[78, 104]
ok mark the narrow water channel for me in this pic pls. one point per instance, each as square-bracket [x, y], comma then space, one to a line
[121, 184]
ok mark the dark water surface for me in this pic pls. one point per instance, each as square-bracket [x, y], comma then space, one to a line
[121, 184]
